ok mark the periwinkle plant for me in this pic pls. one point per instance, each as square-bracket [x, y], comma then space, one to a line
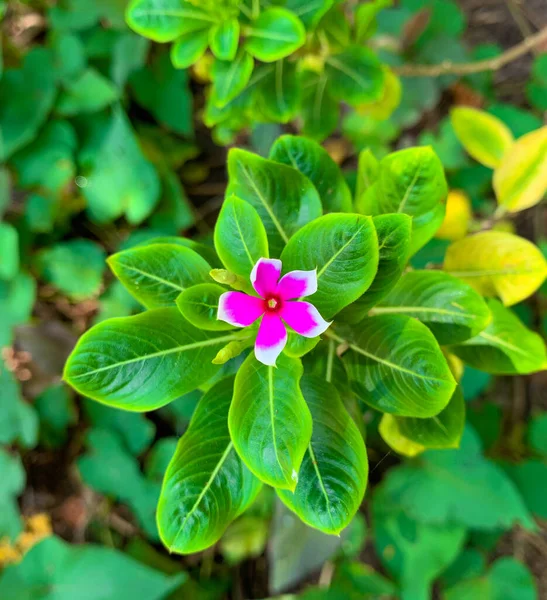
[347, 326]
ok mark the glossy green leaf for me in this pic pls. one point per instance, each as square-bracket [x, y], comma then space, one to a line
[204, 490]
[189, 48]
[270, 422]
[156, 274]
[333, 475]
[410, 181]
[230, 77]
[224, 38]
[275, 34]
[207, 253]
[314, 162]
[143, 362]
[199, 306]
[355, 76]
[278, 93]
[395, 365]
[165, 20]
[298, 345]
[505, 347]
[319, 110]
[394, 233]
[367, 173]
[240, 237]
[453, 310]
[88, 93]
[309, 12]
[344, 250]
[284, 199]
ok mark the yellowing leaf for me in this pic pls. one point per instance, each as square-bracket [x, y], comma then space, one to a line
[457, 217]
[484, 136]
[392, 436]
[383, 108]
[520, 181]
[499, 264]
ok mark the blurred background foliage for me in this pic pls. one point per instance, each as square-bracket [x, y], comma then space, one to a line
[105, 144]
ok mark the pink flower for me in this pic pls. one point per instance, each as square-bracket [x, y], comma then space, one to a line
[273, 306]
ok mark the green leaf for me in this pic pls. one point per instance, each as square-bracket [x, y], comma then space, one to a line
[505, 347]
[269, 420]
[309, 12]
[240, 237]
[156, 274]
[356, 580]
[485, 137]
[284, 199]
[207, 253]
[455, 487]
[88, 93]
[56, 412]
[333, 475]
[497, 263]
[450, 308]
[80, 572]
[394, 233]
[75, 267]
[18, 419]
[275, 34]
[13, 484]
[9, 251]
[156, 357]
[224, 38]
[344, 250]
[298, 345]
[165, 20]
[537, 433]
[230, 77]
[314, 162]
[319, 110]
[395, 365]
[17, 298]
[189, 48]
[368, 169]
[530, 477]
[203, 492]
[69, 55]
[278, 92]
[199, 306]
[355, 76]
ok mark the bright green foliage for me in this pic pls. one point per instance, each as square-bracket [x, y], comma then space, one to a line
[224, 38]
[199, 305]
[231, 77]
[274, 35]
[197, 482]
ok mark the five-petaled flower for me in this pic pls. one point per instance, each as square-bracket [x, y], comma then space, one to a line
[276, 305]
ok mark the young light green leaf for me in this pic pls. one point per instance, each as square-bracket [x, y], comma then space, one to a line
[505, 347]
[278, 92]
[333, 475]
[203, 492]
[344, 250]
[189, 48]
[156, 274]
[395, 365]
[314, 162]
[368, 169]
[240, 237]
[270, 423]
[143, 362]
[394, 232]
[230, 77]
[275, 34]
[199, 306]
[224, 37]
[355, 76]
[497, 263]
[284, 199]
[484, 136]
[453, 310]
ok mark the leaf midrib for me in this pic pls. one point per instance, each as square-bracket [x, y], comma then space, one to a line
[380, 310]
[155, 277]
[338, 252]
[502, 342]
[352, 74]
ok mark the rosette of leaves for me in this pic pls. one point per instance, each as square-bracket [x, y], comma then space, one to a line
[295, 426]
[273, 62]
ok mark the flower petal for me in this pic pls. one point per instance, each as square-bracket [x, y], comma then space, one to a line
[297, 284]
[271, 339]
[304, 318]
[265, 274]
[239, 309]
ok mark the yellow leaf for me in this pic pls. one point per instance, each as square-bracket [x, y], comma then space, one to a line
[520, 181]
[383, 108]
[455, 364]
[496, 263]
[457, 217]
[389, 430]
[484, 136]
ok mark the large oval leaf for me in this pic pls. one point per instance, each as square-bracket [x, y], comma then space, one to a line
[314, 162]
[283, 197]
[207, 253]
[199, 306]
[156, 274]
[344, 250]
[270, 422]
[453, 310]
[497, 263]
[505, 347]
[395, 365]
[275, 34]
[230, 77]
[319, 110]
[520, 181]
[278, 92]
[394, 232]
[240, 237]
[143, 362]
[206, 485]
[333, 475]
